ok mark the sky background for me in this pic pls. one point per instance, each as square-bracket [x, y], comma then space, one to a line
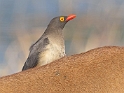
[98, 23]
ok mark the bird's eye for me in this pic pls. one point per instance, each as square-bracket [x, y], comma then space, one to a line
[61, 19]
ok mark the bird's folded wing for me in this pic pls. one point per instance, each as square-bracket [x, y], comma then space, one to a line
[35, 50]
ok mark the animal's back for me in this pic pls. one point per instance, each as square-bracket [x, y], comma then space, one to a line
[100, 70]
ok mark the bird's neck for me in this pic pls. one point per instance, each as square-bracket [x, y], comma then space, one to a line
[55, 35]
[54, 32]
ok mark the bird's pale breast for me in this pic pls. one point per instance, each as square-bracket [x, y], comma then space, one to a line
[52, 53]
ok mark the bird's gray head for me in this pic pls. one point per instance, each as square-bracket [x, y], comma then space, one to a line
[60, 21]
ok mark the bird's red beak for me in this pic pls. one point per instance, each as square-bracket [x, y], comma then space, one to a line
[70, 17]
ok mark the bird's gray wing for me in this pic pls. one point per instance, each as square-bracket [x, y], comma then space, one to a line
[35, 50]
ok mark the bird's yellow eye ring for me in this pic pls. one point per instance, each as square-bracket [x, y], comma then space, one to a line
[62, 19]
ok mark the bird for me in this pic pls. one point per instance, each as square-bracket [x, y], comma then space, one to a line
[50, 46]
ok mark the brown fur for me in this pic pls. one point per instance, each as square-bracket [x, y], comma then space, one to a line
[99, 70]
